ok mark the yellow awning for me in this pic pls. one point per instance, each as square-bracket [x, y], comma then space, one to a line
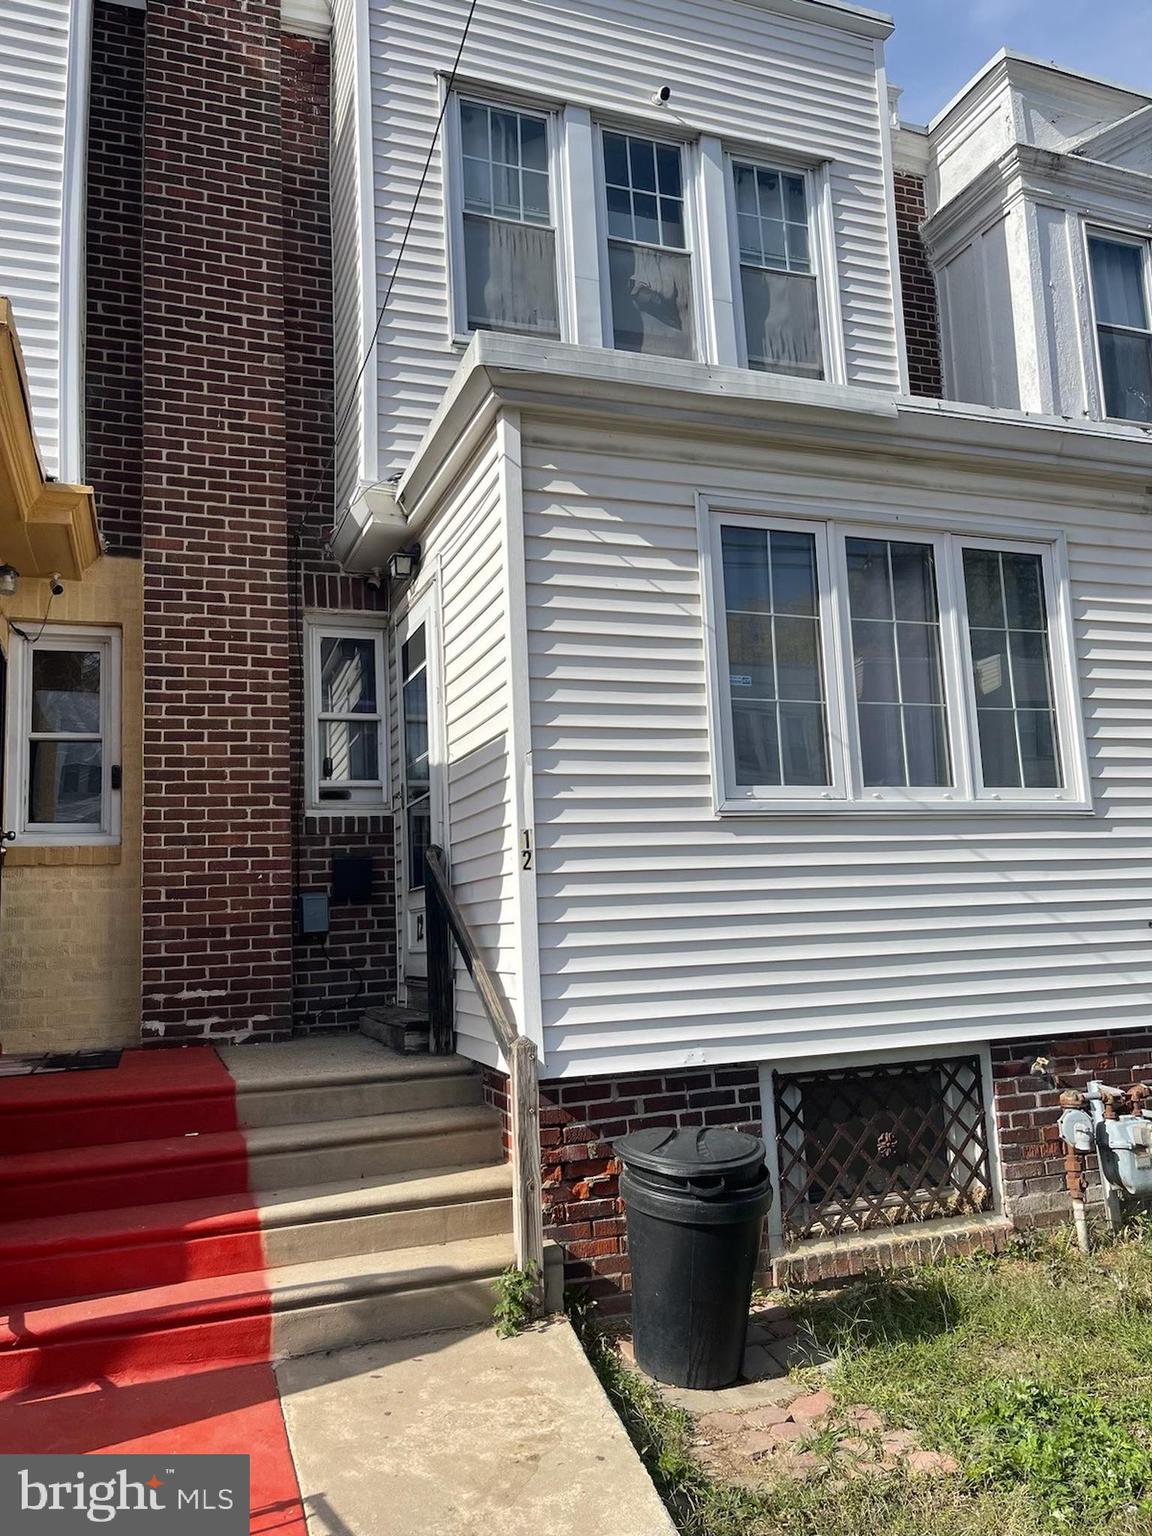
[45, 527]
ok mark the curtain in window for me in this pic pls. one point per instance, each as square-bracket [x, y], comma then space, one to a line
[651, 300]
[511, 272]
[783, 322]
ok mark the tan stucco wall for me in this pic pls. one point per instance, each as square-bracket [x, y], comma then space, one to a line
[70, 918]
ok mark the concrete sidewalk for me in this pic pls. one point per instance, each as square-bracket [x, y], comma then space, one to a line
[463, 1434]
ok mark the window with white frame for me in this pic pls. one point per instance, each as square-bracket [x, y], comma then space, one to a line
[649, 265]
[508, 234]
[62, 765]
[856, 667]
[346, 762]
[777, 271]
[1120, 292]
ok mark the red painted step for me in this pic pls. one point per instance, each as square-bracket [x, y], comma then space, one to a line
[160, 1331]
[150, 1094]
[67, 1180]
[90, 1253]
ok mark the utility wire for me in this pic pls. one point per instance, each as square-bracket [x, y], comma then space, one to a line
[346, 415]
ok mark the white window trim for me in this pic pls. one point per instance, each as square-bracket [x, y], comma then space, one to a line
[460, 333]
[19, 707]
[1117, 235]
[846, 794]
[817, 193]
[694, 249]
[376, 796]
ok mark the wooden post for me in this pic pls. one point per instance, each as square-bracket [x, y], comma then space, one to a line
[441, 1021]
[527, 1212]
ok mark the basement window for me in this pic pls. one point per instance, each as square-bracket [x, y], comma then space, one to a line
[346, 765]
[870, 669]
[62, 761]
[873, 1147]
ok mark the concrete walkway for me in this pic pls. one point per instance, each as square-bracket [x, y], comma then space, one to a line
[463, 1434]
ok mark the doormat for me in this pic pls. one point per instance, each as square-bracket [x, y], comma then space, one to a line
[59, 1061]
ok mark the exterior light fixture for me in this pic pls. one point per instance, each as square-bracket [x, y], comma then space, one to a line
[9, 580]
[404, 563]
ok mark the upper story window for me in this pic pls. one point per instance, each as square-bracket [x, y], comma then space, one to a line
[346, 766]
[509, 238]
[855, 669]
[649, 268]
[62, 768]
[1120, 291]
[777, 274]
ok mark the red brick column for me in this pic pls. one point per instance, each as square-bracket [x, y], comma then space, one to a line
[921, 314]
[217, 818]
[113, 404]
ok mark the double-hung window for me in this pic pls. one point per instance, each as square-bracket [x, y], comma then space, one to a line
[1120, 291]
[508, 230]
[857, 668]
[777, 272]
[346, 767]
[62, 780]
[649, 265]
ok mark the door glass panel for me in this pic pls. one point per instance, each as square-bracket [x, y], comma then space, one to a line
[417, 782]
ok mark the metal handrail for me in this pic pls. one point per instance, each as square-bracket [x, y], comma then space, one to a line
[445, 923]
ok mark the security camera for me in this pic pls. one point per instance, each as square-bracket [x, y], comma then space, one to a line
[56, 585]
[662, 97]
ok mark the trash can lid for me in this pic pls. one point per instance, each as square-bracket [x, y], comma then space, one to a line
[711, 1150]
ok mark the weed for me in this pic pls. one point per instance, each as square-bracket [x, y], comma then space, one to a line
[517, 1299]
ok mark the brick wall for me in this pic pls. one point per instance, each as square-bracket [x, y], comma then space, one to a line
[580, 1120]
[356, 968]
[1031, 1152]
[113, 406]
[217, 897]
[921, 315]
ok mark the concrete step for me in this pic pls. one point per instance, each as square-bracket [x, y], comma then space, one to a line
[342, 1077]
[275, 1157]
[92, 1253]
[329, 1304]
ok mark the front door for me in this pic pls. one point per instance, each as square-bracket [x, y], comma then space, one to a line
[420, 819]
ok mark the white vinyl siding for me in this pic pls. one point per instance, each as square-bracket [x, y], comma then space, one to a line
[37, 53]
[741, 73]
[465, 547]
[669, 937]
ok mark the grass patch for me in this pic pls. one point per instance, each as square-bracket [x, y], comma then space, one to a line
[1033, 1370]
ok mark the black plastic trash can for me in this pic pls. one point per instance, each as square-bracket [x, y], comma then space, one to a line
[694, 1202]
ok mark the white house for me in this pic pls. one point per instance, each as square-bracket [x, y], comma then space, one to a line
[786, 732]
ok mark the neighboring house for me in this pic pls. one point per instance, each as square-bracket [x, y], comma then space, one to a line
[768, 655]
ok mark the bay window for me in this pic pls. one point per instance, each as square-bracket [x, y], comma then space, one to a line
[857, 668]
[509, 237]
[649, 268]
[1124, 334]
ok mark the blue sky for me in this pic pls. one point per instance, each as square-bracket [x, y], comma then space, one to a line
[939, 44]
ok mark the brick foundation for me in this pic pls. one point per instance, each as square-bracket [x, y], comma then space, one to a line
[921, 313]
[1031, 1152]
[580, 1120]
